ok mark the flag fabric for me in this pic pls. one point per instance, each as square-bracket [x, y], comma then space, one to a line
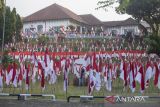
[27, 76]
[20, 75]
[88, 62]
[132, 77]
[140, 78]
[98, 81]
[109, 78]
[65, 84]
[53, 76]
[148, 74]
[123, 74]
[157, 74]
[41, 69]
[95, 67]
[46, 58]
[91, 82]
[158, 85]
[9, 74]
[1, 79]
[14, 75]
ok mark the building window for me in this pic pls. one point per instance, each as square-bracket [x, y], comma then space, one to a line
[126, 31]
[114, 32]
[40, 28]
[27, 31]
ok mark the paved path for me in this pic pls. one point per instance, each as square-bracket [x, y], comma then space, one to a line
[41, 103]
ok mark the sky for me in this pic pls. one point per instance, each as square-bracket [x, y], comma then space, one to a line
[27, 7]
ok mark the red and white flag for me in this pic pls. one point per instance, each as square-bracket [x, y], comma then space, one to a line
[9, 74]
[14, 75]
[157, 75]
[132, 77]
[98, 81]
[41, 69]
[148, 74]
[158, 85]
[65, 84]
[109, 78]
[123, 74]
[27, 76]
[91, 82]
[1, 79]
[140, 78]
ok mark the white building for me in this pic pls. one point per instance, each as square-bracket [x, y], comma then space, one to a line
[58, 18]
[122, 27]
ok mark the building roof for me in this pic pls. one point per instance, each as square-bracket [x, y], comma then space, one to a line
[111, 23]
[90, 19]
[145, 24]
[53, 12]
[126, 22]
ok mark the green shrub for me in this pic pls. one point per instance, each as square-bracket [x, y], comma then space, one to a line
[154, 44]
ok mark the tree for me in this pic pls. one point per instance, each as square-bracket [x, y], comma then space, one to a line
[1, 4]
[147, 10]
[19, 26]
[13, 24]
[1, 18]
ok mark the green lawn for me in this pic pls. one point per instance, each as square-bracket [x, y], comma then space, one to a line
[57, 89]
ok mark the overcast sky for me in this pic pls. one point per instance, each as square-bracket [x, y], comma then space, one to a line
[27, 7]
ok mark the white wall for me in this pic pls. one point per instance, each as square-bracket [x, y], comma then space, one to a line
[48, 24]
[121, 29]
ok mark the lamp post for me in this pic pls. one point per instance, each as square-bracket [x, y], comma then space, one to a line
[4, 19]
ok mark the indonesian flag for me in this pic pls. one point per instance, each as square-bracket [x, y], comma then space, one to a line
[109, 78]
[157, 75]
[100, 63]
[148, 74]
[1, 79]
[40, 67]
[9, 74]
[34, 73]
[20, 76]
[14, 78]
[114, 71]
[27, 77]
[65, 84]
[123, 74]
[140, 78]
[91, 82]
[63, 29]
[98, 81]
[95, 67]
[57, 66]
[88, 62]
[33, 58]
[132, 77]
[46, 58]
[53, 76]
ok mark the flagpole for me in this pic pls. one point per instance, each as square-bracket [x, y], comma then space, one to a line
[4, 19]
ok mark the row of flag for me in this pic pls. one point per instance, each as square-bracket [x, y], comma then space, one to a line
[99, 68]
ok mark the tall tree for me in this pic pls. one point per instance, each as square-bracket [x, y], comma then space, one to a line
[147, 10]
[1, 4]
[1, 18]
[19, 26]
[13, 25]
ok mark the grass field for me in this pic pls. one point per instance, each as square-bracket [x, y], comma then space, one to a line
[57, 89]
